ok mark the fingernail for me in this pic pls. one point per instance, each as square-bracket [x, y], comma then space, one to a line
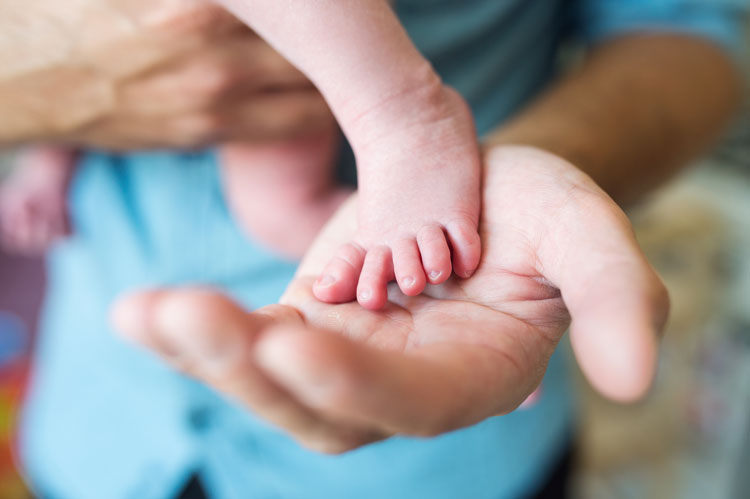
[121, 318]
[434, 274]
[408, 282]
[130, 320]
[365, 294]
[326, 280]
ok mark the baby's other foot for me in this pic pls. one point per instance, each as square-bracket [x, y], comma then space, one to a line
[282, 194]
[418, 208]
[33, 200]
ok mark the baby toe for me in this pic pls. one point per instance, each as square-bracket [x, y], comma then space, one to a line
[338, 281]
[407, 266]
[466, 248]
[436, 255]
[377, 270]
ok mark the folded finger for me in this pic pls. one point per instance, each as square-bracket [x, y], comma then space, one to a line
[618, 304]
[224, 72]
[212, 339]
[428, 391]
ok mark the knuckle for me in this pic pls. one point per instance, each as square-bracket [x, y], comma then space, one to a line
[206, 19]
[199, 129]
[216, 80]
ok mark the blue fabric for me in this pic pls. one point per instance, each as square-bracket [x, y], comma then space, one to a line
[106, 420]
[718, 20]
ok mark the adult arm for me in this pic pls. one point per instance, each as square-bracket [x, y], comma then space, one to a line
[126, 74]
[637, 109]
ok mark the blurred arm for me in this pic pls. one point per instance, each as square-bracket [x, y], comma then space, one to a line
[635, 112]
[63, 65]
[139, 74]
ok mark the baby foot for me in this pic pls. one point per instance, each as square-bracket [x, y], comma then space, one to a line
[33, 200]
[282, 194]
[419, 202]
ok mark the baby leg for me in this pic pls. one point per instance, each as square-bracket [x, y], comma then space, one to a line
[33, 200]
[419, 174]
[282, 194]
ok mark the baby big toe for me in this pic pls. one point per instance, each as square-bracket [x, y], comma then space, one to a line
[436, 256]
[377, 270]
[338, 281]
[408, 267]
[466, 246]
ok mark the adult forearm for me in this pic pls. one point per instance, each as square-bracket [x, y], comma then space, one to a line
[634, 113]
[114, 73]
[59, 66]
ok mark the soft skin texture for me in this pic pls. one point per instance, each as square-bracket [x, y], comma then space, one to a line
[283, 192]
[635, 112]
[33, 200]
[158, 74]
[555, 246]
[415, 142]
[339, 376]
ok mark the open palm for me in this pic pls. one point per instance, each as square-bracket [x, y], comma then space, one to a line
[339, 376]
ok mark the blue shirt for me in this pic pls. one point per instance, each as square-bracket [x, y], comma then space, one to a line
[106, 420]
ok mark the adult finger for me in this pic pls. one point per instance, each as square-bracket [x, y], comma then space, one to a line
[257, 117]
[139, 35]
[224, 71]
[425, 391]
[209, 337]
[618, 304]
[275, 115]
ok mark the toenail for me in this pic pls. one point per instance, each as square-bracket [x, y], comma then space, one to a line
[326, 280]
[408, 281]
[434, 274]
[365, 294]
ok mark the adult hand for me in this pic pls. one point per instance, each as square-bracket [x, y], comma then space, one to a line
[339, 376]
[132, 74]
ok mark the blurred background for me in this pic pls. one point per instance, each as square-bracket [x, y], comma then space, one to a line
[689, 439]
